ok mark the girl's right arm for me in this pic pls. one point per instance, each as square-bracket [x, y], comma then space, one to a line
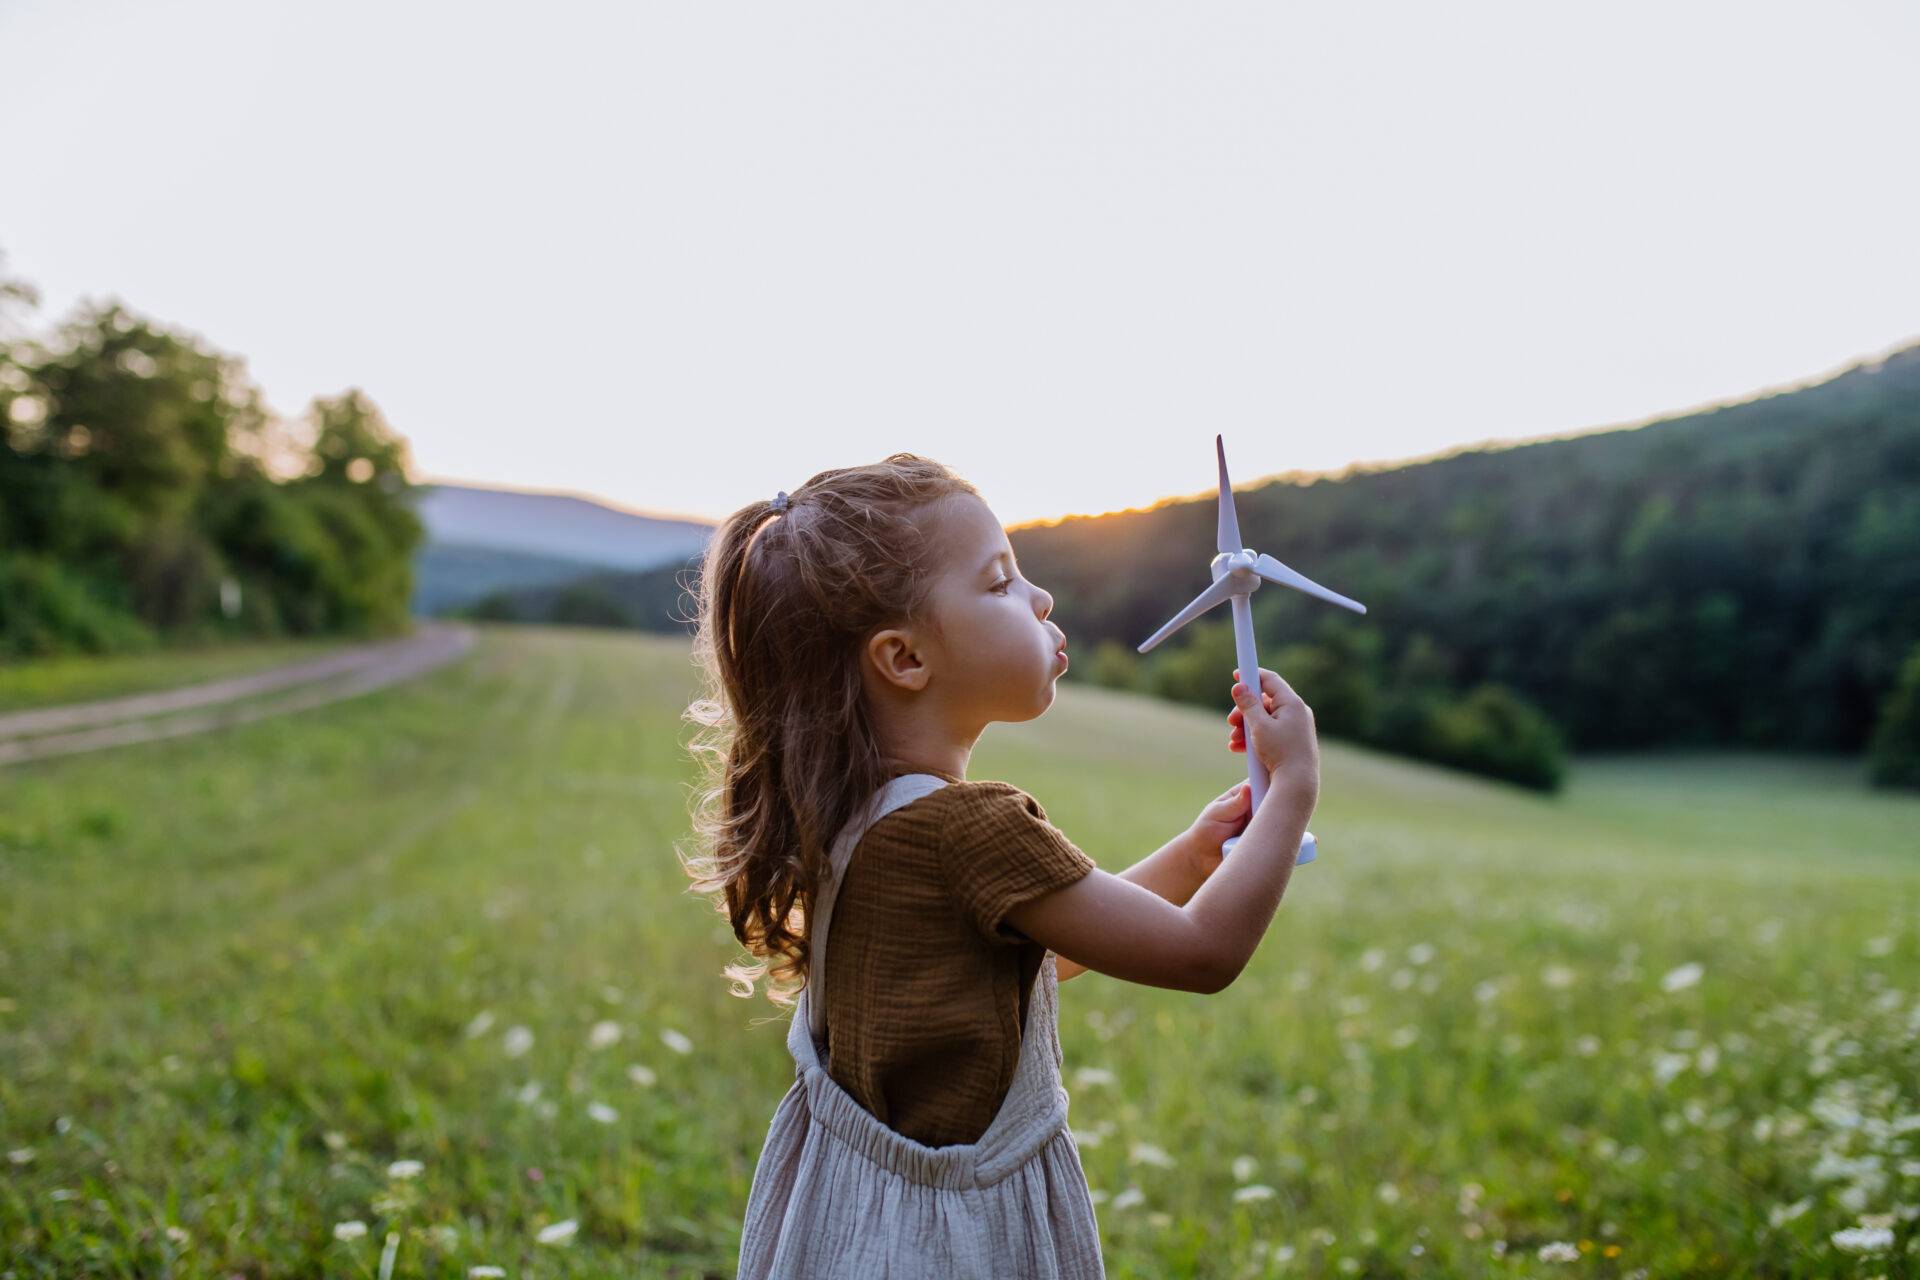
[1125, 931]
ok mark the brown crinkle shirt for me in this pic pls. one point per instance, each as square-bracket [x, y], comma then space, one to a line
[926, 985]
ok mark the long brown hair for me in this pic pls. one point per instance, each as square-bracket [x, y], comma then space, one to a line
[786, 603]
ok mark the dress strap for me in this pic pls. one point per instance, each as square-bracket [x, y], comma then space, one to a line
[901, 790]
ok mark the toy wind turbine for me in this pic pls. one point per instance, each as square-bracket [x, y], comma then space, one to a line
[1237, 573]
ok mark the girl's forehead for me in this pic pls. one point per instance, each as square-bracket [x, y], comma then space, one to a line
[970, 534]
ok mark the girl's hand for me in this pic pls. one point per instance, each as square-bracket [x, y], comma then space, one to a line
[1226, 815]
[1283, 737]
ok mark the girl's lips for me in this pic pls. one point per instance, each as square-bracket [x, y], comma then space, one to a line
[1062, 655]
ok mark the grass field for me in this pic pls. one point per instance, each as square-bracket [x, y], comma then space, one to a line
[423, 961]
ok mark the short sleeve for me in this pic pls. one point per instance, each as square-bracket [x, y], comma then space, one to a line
[1001, 851]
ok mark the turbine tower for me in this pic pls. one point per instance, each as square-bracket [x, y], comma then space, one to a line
[1238, 572]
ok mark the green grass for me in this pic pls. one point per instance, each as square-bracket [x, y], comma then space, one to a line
[52, 681]
[243, 973]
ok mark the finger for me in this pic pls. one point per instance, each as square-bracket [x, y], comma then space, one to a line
[1267, 692]
[1244, 699]
[1271, 683]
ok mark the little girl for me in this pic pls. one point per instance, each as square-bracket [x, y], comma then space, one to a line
[857, 637]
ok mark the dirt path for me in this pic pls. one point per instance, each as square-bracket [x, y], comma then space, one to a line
[113, 722]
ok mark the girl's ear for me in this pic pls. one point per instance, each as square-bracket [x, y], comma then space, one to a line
[894, 655]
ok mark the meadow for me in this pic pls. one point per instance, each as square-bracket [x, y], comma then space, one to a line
[411, 985]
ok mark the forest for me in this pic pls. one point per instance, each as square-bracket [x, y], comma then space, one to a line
[149, 496]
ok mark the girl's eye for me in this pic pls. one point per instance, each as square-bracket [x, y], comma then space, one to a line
[997, 587]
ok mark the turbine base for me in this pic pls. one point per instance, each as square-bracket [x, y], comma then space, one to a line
[1309, 848]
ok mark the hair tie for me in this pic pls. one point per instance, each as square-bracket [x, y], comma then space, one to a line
[780, 501]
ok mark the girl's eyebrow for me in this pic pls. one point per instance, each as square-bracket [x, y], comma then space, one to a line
[994, 559]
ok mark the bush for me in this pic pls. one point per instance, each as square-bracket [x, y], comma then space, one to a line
[1495, 731]
[46, 608]
[1894, 757]
[1114, 665]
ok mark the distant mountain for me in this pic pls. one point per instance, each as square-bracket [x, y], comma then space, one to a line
[482, 540]
[447, 575]
[557, 524]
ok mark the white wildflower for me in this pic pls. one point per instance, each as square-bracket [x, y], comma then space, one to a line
[642, 1076]
[559, 1233]
[602, 1112]
[675, 1041]
[405, 1169]
[1129, 1198]
[1881, 946]
[352, 1229]
[1086, 1077]
[486, 1272]
[179, 1236]
[1486, 992]
[1668, 1065]
[1244, 1167]
[1147, 1153]
[1403, 1036]
[1685, 976]
[481, 1024]
[1257, 1191]
[1558, 976]
[518, 1040]
[604, 1034]
[1558, 1251]
[21, 1155]
[1387, 1193]
[529, 1093]
[1587, 1046]
[1420, 952]
[1863, 1240]
[1372, 958]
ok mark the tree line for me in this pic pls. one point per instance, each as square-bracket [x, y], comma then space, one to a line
[148, 495]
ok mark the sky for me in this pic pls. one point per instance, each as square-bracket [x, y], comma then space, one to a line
[682, 256]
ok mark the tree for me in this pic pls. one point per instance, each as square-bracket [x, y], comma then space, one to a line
[1895, 754]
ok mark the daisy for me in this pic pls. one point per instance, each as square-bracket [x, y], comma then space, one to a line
[1680, 979]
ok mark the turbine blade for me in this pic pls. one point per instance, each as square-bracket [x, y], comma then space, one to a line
[1213, 595]
[1229, 538]
[1273, 571]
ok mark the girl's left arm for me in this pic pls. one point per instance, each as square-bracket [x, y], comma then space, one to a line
[1175, 871]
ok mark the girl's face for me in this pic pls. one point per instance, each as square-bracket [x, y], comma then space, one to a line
[998, 655]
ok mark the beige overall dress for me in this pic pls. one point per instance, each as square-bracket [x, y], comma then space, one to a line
[836, 1193]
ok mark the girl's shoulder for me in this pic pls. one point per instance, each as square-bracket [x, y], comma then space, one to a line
[998, 849]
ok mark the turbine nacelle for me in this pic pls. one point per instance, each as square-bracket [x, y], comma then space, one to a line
[1241, 562]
